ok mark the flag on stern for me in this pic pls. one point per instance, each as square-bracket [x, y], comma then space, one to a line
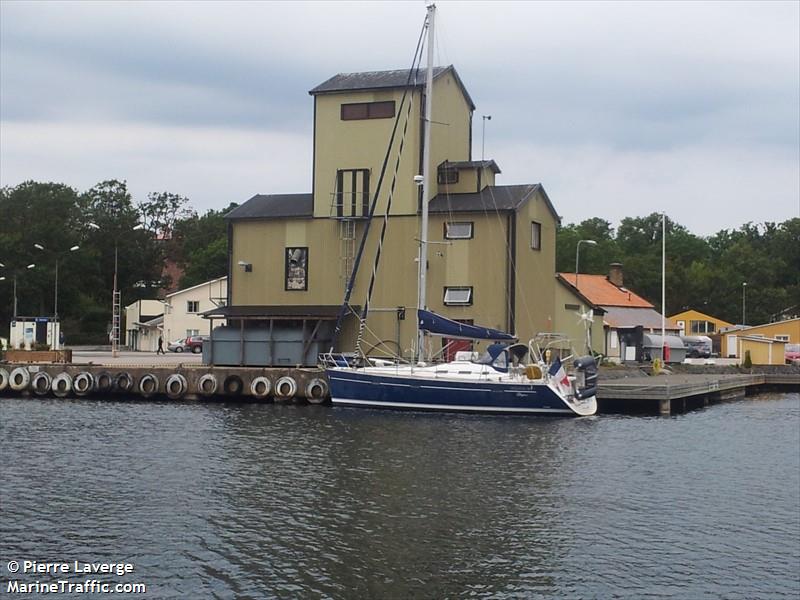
[557, 372]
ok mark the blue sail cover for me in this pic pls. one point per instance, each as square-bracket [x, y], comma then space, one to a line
[439, 325]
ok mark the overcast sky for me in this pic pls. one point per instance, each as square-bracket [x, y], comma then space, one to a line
[618, 109]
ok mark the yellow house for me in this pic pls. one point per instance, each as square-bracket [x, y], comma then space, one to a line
[491, 255]
[763, 351]
[787, 331]
[693, 322]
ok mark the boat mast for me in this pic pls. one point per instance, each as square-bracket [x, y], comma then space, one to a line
[426, 181]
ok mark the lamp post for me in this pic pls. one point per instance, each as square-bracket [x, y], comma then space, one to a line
[58, 256]
[15, 273]
[578, 254]
[483, 133]
[744, 299]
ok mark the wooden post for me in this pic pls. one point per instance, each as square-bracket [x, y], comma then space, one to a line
[664, 406]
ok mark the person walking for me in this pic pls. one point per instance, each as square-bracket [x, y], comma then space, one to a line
[160, 345]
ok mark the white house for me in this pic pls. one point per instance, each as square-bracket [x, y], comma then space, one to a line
[183, 308]
[143, 320]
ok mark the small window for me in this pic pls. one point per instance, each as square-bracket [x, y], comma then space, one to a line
[571, 307]
[458, 296]
[458, 231]
[367, 110]
[192, 306]
[447, 176]
[782, 338]
[192, 332]
[536, 235]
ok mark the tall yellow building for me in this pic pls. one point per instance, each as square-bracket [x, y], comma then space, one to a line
[491, 257]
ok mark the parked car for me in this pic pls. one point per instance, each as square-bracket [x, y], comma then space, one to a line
[194, 343]
[792, 354]
[177, 345]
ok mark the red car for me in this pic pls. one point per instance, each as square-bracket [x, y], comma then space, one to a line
[194, 343]
[792, 354]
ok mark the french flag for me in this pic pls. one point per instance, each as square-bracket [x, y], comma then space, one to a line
[557, 372]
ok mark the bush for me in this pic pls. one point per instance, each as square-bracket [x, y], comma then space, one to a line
[748, 362]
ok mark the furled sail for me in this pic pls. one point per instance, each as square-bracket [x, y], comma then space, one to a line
[442, 326]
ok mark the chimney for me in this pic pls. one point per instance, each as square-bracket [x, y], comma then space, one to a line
[615, 274]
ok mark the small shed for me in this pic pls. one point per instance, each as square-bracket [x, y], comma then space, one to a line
[652, 345]
[763, 350]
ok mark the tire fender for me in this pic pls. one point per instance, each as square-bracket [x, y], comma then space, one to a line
[123, 382]
[19, 379]
[103, 382]
[3, 379]
[317, 391]
[175, 386]
[285, 388]
[62, 385]
[41, 383]
[260, 387]
[83, 383]
[207, 384]
[148, 385]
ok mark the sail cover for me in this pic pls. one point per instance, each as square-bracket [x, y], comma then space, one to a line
[439, 325]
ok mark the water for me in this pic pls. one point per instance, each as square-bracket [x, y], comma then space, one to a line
[258, 501]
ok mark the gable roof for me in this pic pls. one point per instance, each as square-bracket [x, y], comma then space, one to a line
[274, 206]
[683, 315]
[490, 198]
[381, 80]
[199, 285]
[600, 291]
[633, 316]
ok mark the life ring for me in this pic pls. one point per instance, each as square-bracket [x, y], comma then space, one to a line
[285, 388]
[83, 383]
[103, 382]
[232, 385]
[148, 385]
[123, 382]
[19, 379]
[316, 391]
[3, 379]
[41, 383]
[175, 386]
[207, 384]
[260, 387]
[62, 384]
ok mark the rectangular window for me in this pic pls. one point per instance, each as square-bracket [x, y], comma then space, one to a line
[445, 175]
[536, 235]
[191, 332]
[458, 231]
[458, 296]
[571, 307]
[367, 110]
[296, 269]
[192, 306]
[352, 192]
[710, 327]
[782, 338]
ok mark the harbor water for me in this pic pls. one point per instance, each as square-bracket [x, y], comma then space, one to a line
[224, 500]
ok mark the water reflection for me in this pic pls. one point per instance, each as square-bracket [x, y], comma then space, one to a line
[224, 500]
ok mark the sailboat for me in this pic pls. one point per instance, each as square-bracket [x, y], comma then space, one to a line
[510, 377]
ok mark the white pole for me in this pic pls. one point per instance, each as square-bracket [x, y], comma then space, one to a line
[663, 282]
[426, 184]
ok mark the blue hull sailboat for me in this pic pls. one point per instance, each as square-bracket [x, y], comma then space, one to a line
[509, 378]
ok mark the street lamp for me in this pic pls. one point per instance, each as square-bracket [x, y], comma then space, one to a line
[483, 134]
[58, 256]
[577, 256]
[744, 298]
[15, 272]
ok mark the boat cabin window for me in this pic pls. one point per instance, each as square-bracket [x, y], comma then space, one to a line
[496, 355]
[368, 110]
[458, 231]
[458, 296]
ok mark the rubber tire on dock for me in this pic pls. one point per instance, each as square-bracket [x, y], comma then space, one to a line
[316, 391]
[207, 384]
[41, 383]
[83, 383]
[123, 382]
[148, 385]
[20, 379]
[260, 387]
[285, 388]
[176, 386]
[3, 379]
[232, 385]
[103, 382]
[62, 385]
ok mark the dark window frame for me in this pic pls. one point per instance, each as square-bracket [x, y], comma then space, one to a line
[469, 302]
[288, 251]
[356, 209]
[447, 176]
[536, 240]
[471, 235]
[361, 111]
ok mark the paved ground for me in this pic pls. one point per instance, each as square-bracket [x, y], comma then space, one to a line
[103, 357]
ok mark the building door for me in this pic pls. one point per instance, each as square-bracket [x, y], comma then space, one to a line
[453, 345]
[41, 330]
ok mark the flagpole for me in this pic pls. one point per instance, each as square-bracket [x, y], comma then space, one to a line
[663, 284]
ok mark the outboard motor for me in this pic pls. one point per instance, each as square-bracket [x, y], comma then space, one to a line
[585, 377]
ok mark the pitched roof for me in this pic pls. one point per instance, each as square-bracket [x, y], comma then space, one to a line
[377, 80]
[600, 291]
[490, 198]
[274, 206]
